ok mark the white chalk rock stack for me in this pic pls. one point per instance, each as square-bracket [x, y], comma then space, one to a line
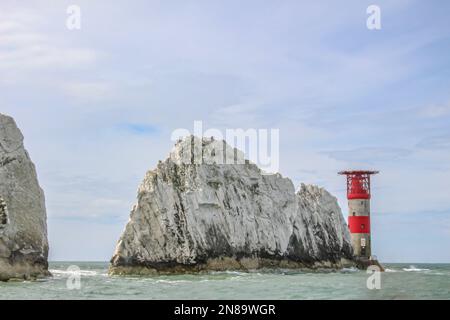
[206, 208]
[23, 226]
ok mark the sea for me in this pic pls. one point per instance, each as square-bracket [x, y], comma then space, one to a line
[90, 280]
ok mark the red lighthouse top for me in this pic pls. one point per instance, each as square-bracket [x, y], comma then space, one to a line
[358, 183]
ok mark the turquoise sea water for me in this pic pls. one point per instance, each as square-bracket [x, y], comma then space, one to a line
[401, 281]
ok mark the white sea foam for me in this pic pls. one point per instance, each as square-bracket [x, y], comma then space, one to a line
[414, 268]
[229, 273]
[172, 281]
[86, 273]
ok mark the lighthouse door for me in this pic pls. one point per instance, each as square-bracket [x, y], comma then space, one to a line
[363, 246]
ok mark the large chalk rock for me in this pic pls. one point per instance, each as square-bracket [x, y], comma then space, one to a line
[196, 212]
[23, 226]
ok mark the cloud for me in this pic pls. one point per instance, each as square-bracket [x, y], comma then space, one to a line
[369, 155]
[435, 143]
[436, 111]
[25, 47]
[88, 196]
[78, 240]
[89, 90]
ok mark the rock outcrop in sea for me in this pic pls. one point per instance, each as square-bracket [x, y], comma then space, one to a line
[23, 222]
[195, 213]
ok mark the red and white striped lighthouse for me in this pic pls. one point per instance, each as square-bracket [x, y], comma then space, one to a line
[358, 195]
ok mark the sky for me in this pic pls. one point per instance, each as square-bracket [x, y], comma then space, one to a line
[97, 105]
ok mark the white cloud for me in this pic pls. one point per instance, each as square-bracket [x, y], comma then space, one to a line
[436, 110]
[437, 143]
[369, 155]
[89, 90]
[25, 47]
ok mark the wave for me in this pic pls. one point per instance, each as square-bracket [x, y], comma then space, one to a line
[72, 272]
[172, 281]
[229, 273]
[414, 269]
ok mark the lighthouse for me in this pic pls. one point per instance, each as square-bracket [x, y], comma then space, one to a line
[358, 195]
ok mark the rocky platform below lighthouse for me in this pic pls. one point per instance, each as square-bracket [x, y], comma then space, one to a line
[192, 217]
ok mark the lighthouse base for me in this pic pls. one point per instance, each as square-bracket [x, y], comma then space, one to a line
[364, 263]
